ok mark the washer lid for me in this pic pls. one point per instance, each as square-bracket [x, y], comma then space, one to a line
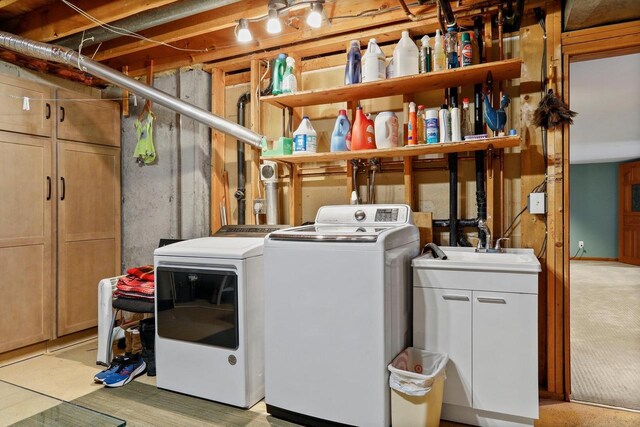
[215, 247]
[332, 233]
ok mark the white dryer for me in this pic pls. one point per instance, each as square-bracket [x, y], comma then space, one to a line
[337, 311]
[210, 315]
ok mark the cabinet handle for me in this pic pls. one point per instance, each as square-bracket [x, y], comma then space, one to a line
[48, 115]
[64, 188]
[492, 300]
[455, 297]
[61, 114]
[48, 188]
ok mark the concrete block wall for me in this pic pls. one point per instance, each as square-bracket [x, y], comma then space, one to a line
[171, 197]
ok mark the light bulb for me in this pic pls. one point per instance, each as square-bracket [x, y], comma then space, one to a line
[273, 24]
[314, 19]
[243, 34]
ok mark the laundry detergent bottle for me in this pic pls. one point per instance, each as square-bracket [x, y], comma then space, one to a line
[352, 69]
[373, 63]
[304, 138]
[363, 133]
[340, 131]
[278, 74]
[405, 56]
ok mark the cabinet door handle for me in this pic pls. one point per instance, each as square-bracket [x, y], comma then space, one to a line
[61, 114]
[48, 115]
[64, 188]
[455, 297]
[492, 300]
[48, 188]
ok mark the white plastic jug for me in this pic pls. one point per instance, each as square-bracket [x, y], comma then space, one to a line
[405, 56]
[386, 127]
[304, 138]
[373, 63]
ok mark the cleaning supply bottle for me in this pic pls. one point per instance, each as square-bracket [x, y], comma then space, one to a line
[466, 50]
[340, 131]
[405, 56]
[425, 55]
[304, 138]
[373, 63]
[363, 132]
[444, 121]
[420, 118]
[451, 42]
[352, 70]
[431, 125]
[439, 59]
[456, 131]
[412, 125]
[278, 74]
[289, 81]
[466, 125]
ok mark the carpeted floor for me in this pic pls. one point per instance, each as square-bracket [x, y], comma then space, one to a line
[605, 333]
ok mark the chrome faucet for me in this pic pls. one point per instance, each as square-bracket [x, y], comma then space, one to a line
[483, 226]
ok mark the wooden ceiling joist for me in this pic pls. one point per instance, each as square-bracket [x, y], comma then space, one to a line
[58, 20]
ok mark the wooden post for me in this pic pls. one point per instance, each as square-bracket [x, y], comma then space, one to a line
[125, 94]
[217, 150]
[149, 80]
[409, 188]
[295, 195]
[254, 175]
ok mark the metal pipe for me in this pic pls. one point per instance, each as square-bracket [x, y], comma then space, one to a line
[271, 194]
[67, 56]
[241, 192]
[142, 21]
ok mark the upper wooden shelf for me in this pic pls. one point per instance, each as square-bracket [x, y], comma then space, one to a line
[406, 151]
[501, 70]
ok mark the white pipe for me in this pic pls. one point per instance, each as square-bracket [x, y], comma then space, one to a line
[65, 55]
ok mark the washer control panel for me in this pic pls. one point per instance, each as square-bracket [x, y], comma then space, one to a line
[386, 215]
[364, 214]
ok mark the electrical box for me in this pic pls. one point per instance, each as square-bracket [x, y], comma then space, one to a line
[537, 203]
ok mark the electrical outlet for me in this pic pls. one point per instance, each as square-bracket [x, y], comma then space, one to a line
[581, 244]
[537, 203]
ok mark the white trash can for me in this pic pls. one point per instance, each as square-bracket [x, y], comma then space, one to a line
[417, 385]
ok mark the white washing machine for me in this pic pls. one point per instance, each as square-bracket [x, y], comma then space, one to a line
[337, 311]
[210, 316]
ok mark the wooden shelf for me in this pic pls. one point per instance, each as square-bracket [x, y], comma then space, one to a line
[501, 70]
[406, 151]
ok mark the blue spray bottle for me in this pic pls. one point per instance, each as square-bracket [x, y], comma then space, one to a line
[340, 131]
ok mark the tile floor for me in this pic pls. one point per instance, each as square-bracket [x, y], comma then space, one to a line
[67, 374]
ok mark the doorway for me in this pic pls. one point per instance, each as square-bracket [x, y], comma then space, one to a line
[604, 292]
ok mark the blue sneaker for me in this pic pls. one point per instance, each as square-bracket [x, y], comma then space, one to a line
[127, 372]
[116, 364]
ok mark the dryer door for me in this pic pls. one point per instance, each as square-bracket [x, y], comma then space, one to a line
[198, 305]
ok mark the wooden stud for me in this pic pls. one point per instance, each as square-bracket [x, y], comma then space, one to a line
[409, 187]
[295, 195]
[125, 95]
[254, 175]
[150, 82]
[217, 150]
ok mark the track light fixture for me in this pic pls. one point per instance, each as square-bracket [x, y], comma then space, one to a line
[242, 31]
[274, 25]
[314, 19]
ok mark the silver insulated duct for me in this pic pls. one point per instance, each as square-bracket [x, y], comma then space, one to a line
[67, 56]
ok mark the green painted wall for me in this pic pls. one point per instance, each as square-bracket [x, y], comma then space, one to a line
[594, 209]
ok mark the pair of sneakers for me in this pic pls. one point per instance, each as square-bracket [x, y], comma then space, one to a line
[123, 370]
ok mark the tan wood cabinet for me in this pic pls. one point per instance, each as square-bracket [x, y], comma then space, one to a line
[25, 240]
[60, 227]
[88, 229]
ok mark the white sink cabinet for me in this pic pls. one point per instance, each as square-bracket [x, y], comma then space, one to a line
[483, 314]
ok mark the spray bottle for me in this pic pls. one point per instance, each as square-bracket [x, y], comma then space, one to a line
[289, 81]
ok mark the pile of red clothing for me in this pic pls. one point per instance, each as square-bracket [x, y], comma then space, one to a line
[139, 283]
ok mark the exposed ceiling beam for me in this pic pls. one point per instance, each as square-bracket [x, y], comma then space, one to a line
[5, 3]
[193, 26]
[59, 20]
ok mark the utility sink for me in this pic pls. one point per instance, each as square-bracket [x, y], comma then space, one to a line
[460, 258]
[464, 267]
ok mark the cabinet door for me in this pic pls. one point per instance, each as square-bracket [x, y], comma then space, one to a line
[97, 122]
[36, 120]
[505, 353]
[88, 230]
[25, 240]
[442, 323]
